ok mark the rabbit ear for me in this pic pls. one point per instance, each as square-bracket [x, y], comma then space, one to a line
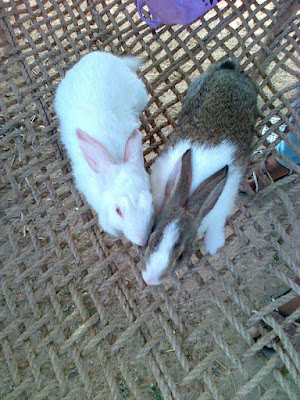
[205, 196]
[133, 149]
[184, 179]
[96, 155]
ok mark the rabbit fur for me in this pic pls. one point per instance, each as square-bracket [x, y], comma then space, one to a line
[98, 103]
[195, 180]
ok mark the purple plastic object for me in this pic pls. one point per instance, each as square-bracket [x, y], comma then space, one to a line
[171, 12]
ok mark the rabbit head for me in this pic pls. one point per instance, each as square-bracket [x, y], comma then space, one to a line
[126, 203]
[176, 225]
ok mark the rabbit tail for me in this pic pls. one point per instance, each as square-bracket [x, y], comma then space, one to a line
[132, 63]
[228, 64]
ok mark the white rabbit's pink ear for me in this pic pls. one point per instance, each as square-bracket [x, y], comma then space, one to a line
[133, 149]
[96, 155]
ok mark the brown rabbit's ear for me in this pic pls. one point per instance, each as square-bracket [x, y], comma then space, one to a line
[179, 182]
[205, 196]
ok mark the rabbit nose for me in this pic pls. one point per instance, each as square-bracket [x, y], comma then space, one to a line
[140, 243]
[142, 240]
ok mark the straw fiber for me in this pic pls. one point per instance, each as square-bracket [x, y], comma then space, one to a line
[76, 319]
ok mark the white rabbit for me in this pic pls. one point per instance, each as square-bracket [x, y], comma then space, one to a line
[98, 103]
[195, 181]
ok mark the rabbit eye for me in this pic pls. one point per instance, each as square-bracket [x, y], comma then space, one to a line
[119, 212]
[180, 257]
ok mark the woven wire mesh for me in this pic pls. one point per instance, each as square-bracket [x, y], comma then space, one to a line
[76, 319]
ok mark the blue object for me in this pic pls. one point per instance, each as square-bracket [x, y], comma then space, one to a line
[284, 149]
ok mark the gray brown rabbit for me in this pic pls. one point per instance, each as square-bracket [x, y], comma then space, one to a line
[195, 180]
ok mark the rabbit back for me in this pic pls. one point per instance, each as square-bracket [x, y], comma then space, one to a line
[102, 96]
[220, 105]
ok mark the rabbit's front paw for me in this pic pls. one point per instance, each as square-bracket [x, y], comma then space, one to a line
[213, 241]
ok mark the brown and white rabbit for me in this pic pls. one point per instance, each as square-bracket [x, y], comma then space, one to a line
[195, 181]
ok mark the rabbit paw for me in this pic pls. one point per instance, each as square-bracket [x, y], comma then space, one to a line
[213, 241]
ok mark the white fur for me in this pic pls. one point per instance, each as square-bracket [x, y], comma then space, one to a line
[102, 96]
[206, 160]
[159, 259]
[132, 62]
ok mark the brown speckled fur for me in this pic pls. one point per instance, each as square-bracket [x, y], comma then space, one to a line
[224, 107]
